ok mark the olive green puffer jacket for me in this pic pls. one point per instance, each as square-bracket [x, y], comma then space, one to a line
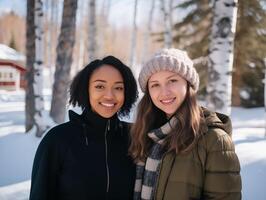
[210, 171]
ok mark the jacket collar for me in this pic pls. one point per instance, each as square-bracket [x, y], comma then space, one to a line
[94, 120]
[215, 120]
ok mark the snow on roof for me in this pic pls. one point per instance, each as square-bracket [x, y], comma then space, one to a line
[8, 53]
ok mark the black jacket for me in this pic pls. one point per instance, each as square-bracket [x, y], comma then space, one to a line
[85, 158]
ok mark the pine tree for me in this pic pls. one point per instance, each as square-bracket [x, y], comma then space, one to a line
[12, 42]
[193, 30]
[249, 54]
[192, 35]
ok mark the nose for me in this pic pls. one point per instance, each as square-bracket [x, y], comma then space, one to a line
[108, 94]
[165, 90]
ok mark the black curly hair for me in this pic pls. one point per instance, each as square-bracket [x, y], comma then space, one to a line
[79, 94]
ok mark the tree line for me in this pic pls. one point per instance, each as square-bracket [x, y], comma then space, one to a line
[213, 32]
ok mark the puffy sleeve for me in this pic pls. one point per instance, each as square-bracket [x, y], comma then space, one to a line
[45, 169]
[222, 168]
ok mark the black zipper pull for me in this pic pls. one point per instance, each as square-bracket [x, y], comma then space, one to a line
[121, 128]
[108, 125]
[85, 134]
[86, 140]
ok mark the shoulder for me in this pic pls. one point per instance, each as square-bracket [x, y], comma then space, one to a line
[125, 130]
[219, 158]
[217, 139]
[217, 131]
[126, 124]
[57, 134]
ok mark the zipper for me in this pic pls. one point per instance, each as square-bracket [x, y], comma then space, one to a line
[85, 134]
[107, 129]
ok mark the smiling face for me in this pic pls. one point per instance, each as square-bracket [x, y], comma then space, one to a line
[167, 90]
[106, 91]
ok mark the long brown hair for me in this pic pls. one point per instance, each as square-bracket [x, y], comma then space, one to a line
[184, 134]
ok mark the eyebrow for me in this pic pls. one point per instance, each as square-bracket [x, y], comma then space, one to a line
[171, 76]
[103, 81]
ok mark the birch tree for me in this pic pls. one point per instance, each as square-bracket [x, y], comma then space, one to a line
[92, 30]
[81, 48]
[30, 57]
[64, 50]
[221, 55]
[39, 120]
[148, 32]
[49, 32]
[133, 36]
[265, 95]
[167, 17]
[108, 7]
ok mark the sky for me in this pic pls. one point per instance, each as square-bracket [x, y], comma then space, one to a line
[19, 6]
[121, 12]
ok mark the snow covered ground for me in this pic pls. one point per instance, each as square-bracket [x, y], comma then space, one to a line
[17, 149]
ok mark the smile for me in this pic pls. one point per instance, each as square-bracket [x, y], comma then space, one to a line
[167, 101]
[108, 105]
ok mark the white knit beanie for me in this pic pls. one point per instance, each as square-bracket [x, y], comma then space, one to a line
[173, 60]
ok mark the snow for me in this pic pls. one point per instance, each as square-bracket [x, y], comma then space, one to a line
[17, 149]
[10, 54]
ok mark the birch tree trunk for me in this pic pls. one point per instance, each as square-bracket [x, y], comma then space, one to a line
[265, 95]
[49, 32]
[133, 36]
[105, 10]
[220, 64]
[108, 7]
[30, 58]
[64, 50]
[54, 31]
[148, 32]
[92, 30]
[39, 120]
[81, 49]
[167, 17]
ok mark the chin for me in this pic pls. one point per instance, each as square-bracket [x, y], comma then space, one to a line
[107, 115]
[167, 112]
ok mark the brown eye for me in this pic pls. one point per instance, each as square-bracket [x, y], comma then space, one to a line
[119, 88]
[99, 87]
[155, 85]
[173, 80]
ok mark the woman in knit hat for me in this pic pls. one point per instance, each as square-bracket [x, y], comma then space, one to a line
[182, 151]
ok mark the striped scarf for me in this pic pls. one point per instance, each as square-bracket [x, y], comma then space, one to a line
[147, 172]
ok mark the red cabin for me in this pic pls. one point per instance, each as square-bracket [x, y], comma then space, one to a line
[12, 75]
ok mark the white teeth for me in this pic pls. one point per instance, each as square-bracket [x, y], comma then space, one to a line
[108, 104]
[167, 101]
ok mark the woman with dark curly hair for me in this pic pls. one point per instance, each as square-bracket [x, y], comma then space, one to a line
[87, 157]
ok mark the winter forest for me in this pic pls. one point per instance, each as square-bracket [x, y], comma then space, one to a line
[51, 40]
